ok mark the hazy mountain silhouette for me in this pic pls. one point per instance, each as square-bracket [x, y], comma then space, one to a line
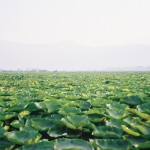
[68, 56]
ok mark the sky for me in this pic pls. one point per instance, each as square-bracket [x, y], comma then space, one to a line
[93, 23]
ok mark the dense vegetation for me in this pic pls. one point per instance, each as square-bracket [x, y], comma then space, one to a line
[80, 111]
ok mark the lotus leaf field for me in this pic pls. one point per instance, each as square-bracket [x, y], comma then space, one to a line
[74, 111]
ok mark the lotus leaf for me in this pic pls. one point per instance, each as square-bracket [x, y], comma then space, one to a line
[129, 131]
[6, 145]
[17, 124]
[138, 142]
[76, 121]
[117, 106]
[23, 137]
[116, 123]
[132, 100]
[61, 131]
[7, 115]
[52, 106]
[24, 113]
[40, 105]
[43, 124]
[112, 144]
[107, 132]
[18, 107]
[96, 118]
[119, 114]
[2, 131]
[84, 105]
[43, 145]
[144, 108]
[72, 144]
[138, 113]
[70, 110]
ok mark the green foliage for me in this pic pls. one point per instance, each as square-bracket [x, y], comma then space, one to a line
[74, 111]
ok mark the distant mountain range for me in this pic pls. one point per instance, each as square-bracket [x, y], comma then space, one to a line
[69, 56]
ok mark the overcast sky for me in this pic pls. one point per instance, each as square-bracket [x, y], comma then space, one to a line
[92, 23]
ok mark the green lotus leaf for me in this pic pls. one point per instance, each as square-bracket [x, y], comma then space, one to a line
[84, 105]
[73, 133]
[6, 145]
[43, 145]
[7, 115]
[99, 103]
[144, 108]
[136, 121]
[2, 131]
[70, 110]
[62, 131]
[129, 131]
[116, 123]
[113, 144]
[138, 142]
[17, 123]
[100, 111]
[43, 124]
[1, 123]
[6, 128]
[24, 113]
[119, 114]
[107, 132]
[57, 131]
[1, 109]
[31, 107]
[53, 106]
[132, 100]
[117, 106]
[76, 121]
[72, 144]
[96, 118]
[17, 107]
[28, 129]
[5, 93]
[145, 145]
[23, 137]
[68, 103]
[40, 105]
[138, 113]
[145, 130]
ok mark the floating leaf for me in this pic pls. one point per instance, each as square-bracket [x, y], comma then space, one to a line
[70, 110]
[116, 123]
[119, 114]
[138, 113]
[18, 107]
[61, 131]
[112, 144]
[2, 131]
[107, 132]
[68, 144]
[76, 121]
[43, 145]
[24, 113]
[144, 108]
[52, 106]
[43, 124]
[132, 100]
[129, 131]
[6, 145]
[7, 115]
[23, 137]
[117, 106]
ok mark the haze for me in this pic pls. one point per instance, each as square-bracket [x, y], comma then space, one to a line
[74, 34]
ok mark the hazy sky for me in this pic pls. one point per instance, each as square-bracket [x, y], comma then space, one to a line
[91, 23]
[88, 22]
